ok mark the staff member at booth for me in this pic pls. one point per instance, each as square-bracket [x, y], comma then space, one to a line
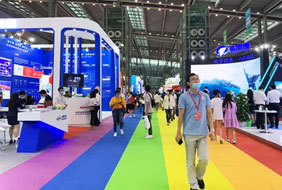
[45, 98]
[61, 100]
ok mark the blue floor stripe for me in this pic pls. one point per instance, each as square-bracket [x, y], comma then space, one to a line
[93, 169]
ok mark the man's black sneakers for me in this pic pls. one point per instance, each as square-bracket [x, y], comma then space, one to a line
[193, 189]
[201, 183]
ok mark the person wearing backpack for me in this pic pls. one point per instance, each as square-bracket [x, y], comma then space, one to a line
[148, 109]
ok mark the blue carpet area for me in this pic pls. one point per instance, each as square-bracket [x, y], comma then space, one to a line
[93, 169]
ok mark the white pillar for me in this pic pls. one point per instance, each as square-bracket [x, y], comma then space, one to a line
[75, 60]
[67, 55]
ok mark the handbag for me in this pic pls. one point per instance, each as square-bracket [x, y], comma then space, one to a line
[91, 108]
[146, 122]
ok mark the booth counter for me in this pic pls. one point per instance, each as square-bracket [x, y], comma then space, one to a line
[78, 111]
[41, 128]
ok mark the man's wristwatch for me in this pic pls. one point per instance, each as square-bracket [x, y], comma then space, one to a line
[212, 130]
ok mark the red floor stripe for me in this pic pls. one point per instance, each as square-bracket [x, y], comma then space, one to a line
[263, 153]
[74, 131]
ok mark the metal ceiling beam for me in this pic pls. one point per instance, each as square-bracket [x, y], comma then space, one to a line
[87, 12]
[217, 3]
[244, 4]
[272, 6]
[66, 9]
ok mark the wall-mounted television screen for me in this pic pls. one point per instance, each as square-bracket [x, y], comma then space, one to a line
[73, 80]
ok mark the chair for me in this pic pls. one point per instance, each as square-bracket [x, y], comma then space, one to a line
[3, 127]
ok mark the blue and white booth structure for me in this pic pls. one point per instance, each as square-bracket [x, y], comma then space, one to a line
[99, 65]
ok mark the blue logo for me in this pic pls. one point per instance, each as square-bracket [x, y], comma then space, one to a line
[222, 50]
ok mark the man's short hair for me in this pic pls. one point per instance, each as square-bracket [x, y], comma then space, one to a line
[60, 88]
[273, 86]
[42, 92]
[22, 92]
[215, 92]
[147, 88]
[188, 77]
[261, 88]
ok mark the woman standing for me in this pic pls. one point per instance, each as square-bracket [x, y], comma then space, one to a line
[217, 113]
[230, 118]
[251, 102]
[12, 117]
[94, 107]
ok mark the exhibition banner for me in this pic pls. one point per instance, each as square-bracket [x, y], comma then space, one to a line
[5, 67]
[23, 71]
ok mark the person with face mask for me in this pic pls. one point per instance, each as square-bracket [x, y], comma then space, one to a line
[60, 99]
[195, 115]
[45, 98]
[117, 104]
[22, 98]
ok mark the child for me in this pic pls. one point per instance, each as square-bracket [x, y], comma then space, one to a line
[230, 118]
[217, 113]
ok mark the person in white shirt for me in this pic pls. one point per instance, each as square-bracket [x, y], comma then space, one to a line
[94, 104]
[260, 100]
[168, 106]
[174, 105]
[157, 101]
[148, 109]
[217, 113]
[273, 100]
[61, 100]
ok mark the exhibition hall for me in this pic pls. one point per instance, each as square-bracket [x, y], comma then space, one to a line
[140, 95]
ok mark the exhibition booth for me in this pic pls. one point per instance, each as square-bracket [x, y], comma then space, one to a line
[81, 58]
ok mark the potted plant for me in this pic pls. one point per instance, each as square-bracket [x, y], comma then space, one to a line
[242, 108]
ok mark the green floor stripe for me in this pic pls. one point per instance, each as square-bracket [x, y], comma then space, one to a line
[142, 165]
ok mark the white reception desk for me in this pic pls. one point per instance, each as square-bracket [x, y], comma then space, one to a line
[78, 111]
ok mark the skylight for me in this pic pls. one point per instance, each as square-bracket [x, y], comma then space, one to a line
[136, 17]
[78, 11]
[22, 8]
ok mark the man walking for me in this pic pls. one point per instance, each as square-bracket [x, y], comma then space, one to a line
[260, 99]
[195, 114]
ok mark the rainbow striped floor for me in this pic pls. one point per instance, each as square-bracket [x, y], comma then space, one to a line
[95, 160]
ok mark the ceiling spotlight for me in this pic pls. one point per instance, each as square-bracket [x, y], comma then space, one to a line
[63, 2]
[104, 5]
[228, 16]
[31, 39]
[214, 40]
[171, 4]
[12, 36]
[170, 10]
[20, 0]
[258, 13]
[274, 46]
[160, 2]
[257, 49]
[136, 1]
[261, 46]
[240, 17]
[234, 10]
[30, 1]
[150, 33]
[182, 5]
[74, 29]
[159, 9]
[93, 4]
[158, 34]
[5, 30]
[192, 57]
[180, 11]
[221, 9]
[216, 14]
[166, 35]
[19, 34]
[209, 7]
[40, 1]
[22, 30]
[203, 57]
[148, 1]
[266, 45]
[82, 3]
[148, 8]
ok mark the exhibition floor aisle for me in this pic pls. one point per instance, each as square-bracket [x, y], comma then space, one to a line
[95, 160]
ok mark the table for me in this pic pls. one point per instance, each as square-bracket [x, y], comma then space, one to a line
[41, 128]
[265, 118]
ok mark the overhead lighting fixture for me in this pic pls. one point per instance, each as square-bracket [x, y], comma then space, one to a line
[228, 16]
[240, 17]
[214, 40]
[148, 1]
[31, 39]
[22, 30]
[136, 1]
[74, 29]
[182, 5]
[63, 2]
[216, 14]
[30, 1]
[166, 35]
[192, 57]
[160, 2]
[170, 10]
[203, 57]
[5, 30]
[148, 8]
[150, 33]
[258, 13]
[104, 5]
[12, 36]
[41, 30]
[171, 4]
[158, 34]
[82, 3]
[274, 46]
[266, 46]
[19, 34]
[221, 8]
[234, 10]
[180, 11]
[209, 7]
[93, 4]
[159, 9]
[20, 0]
[172, 35]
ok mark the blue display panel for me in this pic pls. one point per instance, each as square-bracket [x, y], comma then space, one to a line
[236, 77]
[108, 90]
[29, 60]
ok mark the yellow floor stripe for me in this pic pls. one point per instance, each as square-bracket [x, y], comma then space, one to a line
[176, 163]
[243, 171]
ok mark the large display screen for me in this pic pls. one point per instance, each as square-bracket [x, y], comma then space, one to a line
[236, 77]
[73, 80]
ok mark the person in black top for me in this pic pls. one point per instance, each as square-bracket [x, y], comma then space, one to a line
[252, 107]
[22, 98]
[12, 117]
[46, 98]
